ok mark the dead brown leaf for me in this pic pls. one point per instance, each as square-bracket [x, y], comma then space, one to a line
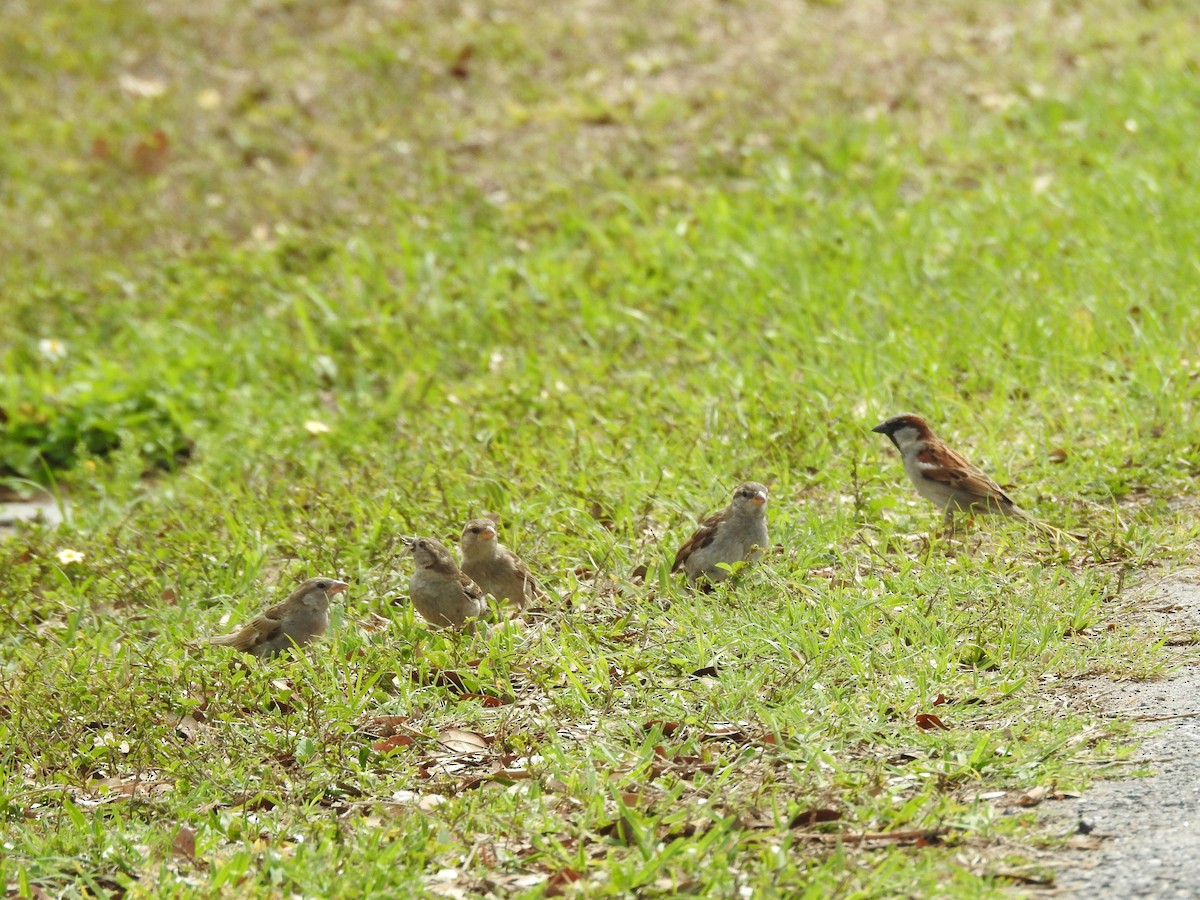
[487, 700]
[1033, 796]
[685, 765]
[189, 726]
[725, 731]
[395, 742]
[185, 842]
[459, 69]
[386, 726]
[458, 741]
[601, 515]
[149, 155]
[929, 720]
[500, 776]
[621, 829]
[811, 817]
[485, 852]
[918, 837]
[251, 801]
[558, 881]
[36, 892]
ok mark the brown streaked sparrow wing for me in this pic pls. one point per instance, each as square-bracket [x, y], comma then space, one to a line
[442, 593]
[941, 464]
[494, 567]
[702, 537]
[256, 633]
[946, 477]
[737, 533]
[469, 587]
[529, 583]
[302, 617]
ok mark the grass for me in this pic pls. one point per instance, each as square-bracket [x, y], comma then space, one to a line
[610, 268]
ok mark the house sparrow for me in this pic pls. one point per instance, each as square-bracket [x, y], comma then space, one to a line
[736, 533]
[494, 567]
[303, 616]
[945, 477]
[441, 593]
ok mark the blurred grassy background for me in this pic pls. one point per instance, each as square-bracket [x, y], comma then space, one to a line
[586, 267]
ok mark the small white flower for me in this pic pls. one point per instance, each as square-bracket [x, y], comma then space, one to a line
[108, 739]
[52, 349]
[313, 427]
[66, 557]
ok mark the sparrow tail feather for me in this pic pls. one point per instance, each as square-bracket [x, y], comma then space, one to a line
[1045, 527]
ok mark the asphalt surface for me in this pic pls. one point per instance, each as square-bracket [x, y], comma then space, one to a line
[1140, 837]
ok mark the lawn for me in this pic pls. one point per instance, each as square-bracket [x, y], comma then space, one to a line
[286, 281]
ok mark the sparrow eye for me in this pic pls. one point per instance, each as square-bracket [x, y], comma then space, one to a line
[323, 585]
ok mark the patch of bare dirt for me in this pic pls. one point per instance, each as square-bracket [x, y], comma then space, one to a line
[31, 506]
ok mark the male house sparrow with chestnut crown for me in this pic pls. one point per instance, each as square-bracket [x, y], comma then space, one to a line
[494, 567]
[442, 594]
[945, 477]
[736, 533]
[303, 616]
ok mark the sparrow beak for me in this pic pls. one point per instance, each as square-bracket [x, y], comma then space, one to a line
[488, 534]
[759, 498]
[336, 588]
[881, 428]
[407, 541]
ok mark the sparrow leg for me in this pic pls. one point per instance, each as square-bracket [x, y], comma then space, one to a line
[948, 523]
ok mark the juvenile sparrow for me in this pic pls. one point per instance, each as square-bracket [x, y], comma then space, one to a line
[441, 593]
[736, 533]
[303, 616]
[494, 567]
[945, 477]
